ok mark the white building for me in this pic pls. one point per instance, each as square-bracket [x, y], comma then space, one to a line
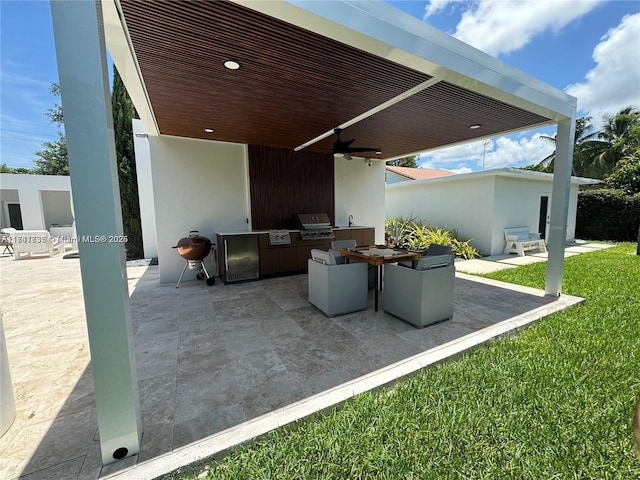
[480, 205]
[35, 202]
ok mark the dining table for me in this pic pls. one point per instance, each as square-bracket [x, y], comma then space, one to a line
[378, 255]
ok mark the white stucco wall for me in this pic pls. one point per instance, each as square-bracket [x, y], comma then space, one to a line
[197, 185]
[517, 205]
[31, 192]
[528, 193]
[456, 204]
[145, 189]
[360, 191]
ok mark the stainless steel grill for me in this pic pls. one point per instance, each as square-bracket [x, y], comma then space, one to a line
[315, 226]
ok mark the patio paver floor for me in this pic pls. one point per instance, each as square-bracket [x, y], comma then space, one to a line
[210, 358]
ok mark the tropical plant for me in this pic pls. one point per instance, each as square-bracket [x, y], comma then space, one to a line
[415, 234]
[396, 229]
[422, 236]
[463, 249]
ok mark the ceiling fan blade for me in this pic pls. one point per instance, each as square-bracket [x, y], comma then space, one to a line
[344, 148]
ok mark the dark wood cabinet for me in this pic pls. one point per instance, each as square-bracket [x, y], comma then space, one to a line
[290, 259]
[277, 259]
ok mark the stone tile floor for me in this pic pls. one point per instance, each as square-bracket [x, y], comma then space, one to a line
[208, 358]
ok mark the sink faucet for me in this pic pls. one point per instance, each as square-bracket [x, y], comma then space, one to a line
[350, 220]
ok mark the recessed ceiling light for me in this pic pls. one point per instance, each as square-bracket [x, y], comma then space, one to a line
[378, 152]
[231, 65]
[208, 130]
[475, 126]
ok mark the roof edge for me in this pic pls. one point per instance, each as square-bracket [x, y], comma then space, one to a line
[499, 172]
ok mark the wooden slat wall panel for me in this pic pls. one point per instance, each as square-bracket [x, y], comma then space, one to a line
[284, 182]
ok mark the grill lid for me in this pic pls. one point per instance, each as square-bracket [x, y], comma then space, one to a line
[313, 221]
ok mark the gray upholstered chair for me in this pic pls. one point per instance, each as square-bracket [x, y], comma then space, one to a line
[334, 288]
[432, 249]
[422, 295]
[336, 245]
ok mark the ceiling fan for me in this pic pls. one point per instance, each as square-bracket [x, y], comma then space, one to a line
[344, 147]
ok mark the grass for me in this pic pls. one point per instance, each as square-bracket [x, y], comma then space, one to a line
[552, 402]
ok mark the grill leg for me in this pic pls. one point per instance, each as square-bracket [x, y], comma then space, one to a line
[181, 275]
[204, 268]
[210, 280]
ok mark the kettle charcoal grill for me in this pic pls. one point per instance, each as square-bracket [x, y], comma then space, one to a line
[194, 250]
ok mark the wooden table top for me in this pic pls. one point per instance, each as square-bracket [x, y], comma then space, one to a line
[379, 254]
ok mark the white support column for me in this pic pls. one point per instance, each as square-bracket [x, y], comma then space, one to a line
[86, 102]
[560, 204]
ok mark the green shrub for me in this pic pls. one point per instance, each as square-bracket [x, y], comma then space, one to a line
[607, 214]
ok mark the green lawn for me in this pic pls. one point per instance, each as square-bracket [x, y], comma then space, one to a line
[554, 401]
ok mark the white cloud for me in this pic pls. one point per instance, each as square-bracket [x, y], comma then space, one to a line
[498, 153]
[500, 27]
[614, 83]
[435, 6]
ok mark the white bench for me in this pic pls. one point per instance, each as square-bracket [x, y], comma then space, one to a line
[520, 240]
[31, 242]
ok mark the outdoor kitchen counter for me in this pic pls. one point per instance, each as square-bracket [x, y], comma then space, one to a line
[259, 232]
[291, 259]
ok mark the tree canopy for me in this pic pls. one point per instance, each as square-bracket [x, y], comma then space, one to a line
[411, 161]
[53, 159]
[596, 154]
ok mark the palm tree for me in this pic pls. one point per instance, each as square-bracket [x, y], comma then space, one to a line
[614, 142]
[583, 127]
[596, 154]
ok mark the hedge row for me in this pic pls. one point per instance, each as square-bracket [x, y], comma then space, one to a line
[608, 214]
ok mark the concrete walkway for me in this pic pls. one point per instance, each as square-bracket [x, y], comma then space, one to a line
[494, 263]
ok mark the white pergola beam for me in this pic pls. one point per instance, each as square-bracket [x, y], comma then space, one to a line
[86, 102]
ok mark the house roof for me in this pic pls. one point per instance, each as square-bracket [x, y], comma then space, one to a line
[308, 67]
[419, 173]
[497, 172]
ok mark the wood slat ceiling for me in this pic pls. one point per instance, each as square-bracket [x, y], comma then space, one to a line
[292, 85]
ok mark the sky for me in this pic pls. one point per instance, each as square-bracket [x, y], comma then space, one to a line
[587, 48]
